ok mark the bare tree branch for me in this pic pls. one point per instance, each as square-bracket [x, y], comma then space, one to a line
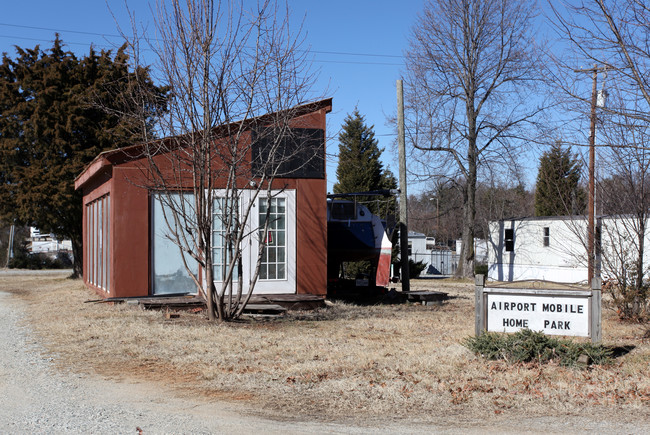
[471, 68]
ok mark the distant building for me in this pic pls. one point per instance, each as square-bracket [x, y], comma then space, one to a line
[554, 248]
[439, 260]
[41, 243]
[480, 250]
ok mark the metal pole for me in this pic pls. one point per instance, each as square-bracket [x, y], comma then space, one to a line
[596, 311]
[10, 247]
[403, 210]
[437, 217]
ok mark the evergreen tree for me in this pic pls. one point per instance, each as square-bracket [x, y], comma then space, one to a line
[360, 168]
[57, 113]
[557, 192]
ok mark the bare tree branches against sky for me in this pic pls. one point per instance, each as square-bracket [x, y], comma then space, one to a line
[357, 47]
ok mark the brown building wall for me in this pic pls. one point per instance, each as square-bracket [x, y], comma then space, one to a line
[311, 235]
[131, 241]
[311, 224]
[130, 220]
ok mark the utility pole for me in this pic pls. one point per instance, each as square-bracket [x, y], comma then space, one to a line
[10, 247]
[403, 210]
[591, 257]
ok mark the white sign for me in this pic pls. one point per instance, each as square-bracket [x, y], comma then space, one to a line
[553, 315]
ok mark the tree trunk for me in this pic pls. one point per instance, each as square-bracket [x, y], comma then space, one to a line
[466, 263]
[210, 292]
[638, 288]
[77, 261]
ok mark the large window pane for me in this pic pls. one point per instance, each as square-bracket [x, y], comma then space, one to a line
[107, 243]
[169, 273]
[222, 252]
[96, 248]
[100, 243]
[94, 262]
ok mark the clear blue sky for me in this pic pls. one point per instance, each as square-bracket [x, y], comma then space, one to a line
[357, 46]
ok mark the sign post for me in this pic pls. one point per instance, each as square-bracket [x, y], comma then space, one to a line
[479, 323]
[596, 309]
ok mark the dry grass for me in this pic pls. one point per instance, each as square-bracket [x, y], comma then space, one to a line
[358, 362]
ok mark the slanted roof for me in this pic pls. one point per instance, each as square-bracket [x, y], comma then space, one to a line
[546, 218]
[132, 152]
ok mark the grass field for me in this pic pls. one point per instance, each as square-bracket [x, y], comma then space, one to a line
[344, 361]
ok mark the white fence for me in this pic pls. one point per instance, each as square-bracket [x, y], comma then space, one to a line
[437, 262]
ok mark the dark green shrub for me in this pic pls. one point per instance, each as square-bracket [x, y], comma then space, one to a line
[531, 346]
[416, 268]
[25, 260]
[481, 269]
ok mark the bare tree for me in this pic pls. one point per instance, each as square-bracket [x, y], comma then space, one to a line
[613, 34]
[238, 81]
[437, 212]
[625, 198]
[499, 201]
[615, 37]
[471, 66]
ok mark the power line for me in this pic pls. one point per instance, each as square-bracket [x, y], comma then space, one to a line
[105, 46]
[58, 30]
[108, 35]
[357, 63]
[25, 38]
[345, 53]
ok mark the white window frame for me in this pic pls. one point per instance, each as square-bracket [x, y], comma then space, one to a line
[219, 194]
[288, 284]
[250, 246]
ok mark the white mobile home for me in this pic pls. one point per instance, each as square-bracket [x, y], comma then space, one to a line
[554, 248]
[548, 248]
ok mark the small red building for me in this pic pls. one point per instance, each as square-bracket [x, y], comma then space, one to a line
[125, 251]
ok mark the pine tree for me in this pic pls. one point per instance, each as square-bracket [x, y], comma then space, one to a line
[57, 113]
[360, 168]
[558, 192]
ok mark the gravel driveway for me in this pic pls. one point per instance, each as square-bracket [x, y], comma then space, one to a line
[37, 398]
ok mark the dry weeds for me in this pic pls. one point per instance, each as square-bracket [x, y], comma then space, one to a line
[345, 361]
